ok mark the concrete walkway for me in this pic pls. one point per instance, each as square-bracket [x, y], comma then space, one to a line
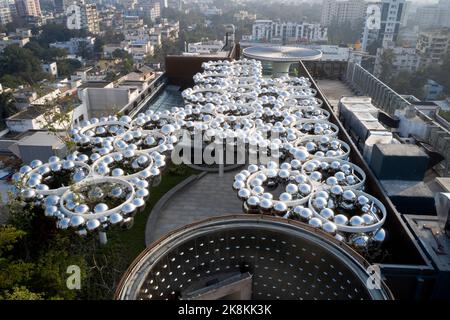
[209, 196]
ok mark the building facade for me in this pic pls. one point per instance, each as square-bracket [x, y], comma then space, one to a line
[342, 11]
[205, 46]
[404, 59]
[433, 16]
[288, 32]
[5, 12]
[391, 13]
[28, 8]
[83, 16]
[432, 46]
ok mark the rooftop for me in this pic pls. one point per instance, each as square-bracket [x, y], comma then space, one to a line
[28, 114]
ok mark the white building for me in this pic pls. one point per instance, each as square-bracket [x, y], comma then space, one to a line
[405, 59]
[101, 98]
[341, 11]
[205, 46]
[50, 68]
[73, 44]
[244, 15]
[262, 30]
[82, 16]
[140, 49]
[288, 32]
[10, 40]
[155, 39]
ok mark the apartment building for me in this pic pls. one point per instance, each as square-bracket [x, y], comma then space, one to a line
[341, 11]
[288, 32]
[432, 46]
[83, 16]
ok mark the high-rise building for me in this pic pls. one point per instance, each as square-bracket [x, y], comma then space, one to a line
[28, 8]
[83, 16]
[390, 18]
[341, 11]
[5, 12]
[433, 16]
[61, 5]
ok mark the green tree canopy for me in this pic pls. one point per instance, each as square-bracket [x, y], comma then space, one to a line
[21, 63]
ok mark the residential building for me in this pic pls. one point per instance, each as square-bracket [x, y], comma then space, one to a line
[102, 98]
[205, 46]
[341, 11]
[391, 17]
[72, 46]
[433, 16]
[433, 46]
[140, 49]
[262, 30]
[432, 90]
[244, 15]
[155, 39]
[169, 30]
[405, 59]
[211, 11]
[132, 22]
[5, 12]
[82, 16]
[12, 40]
[28, 8]
[50, 68]
[288, 32]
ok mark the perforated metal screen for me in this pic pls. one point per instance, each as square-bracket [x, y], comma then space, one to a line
[287, 261]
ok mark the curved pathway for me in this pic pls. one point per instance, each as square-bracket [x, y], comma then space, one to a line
[207, 196]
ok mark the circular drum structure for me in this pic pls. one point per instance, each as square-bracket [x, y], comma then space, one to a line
[281, 57]
[279, 258]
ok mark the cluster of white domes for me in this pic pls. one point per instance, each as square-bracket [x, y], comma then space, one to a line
[106, 180]
[284, 116]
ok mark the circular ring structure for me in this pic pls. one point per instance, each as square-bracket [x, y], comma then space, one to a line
[272, 250]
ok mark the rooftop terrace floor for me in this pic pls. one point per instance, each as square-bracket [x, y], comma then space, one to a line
[334, 90]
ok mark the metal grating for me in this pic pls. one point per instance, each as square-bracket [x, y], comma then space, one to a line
[287, 261]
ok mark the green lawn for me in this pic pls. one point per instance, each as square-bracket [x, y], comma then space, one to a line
[445, 115]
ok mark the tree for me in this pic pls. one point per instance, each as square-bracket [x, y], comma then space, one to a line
[84, 51]
[13, 272]
[127, 60]
[21, 293]
[67, 67]
[21, 63]
[57, 32]
[98, 46]
[408, 83]
[7, 106]
[387, 59]
[46, 54]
